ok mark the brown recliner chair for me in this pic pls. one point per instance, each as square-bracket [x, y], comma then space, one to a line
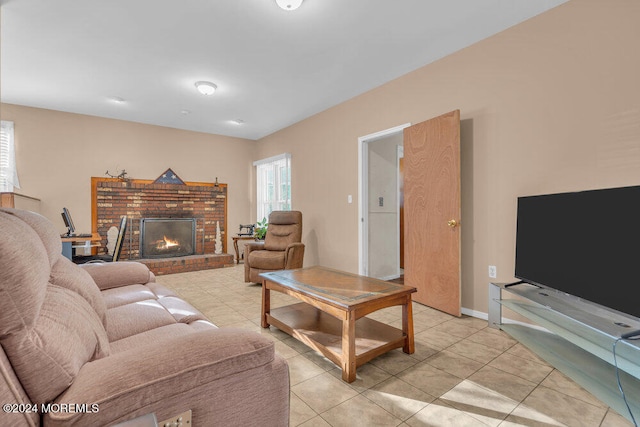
[282, 248]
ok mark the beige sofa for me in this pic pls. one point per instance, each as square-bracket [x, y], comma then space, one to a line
[100, 344]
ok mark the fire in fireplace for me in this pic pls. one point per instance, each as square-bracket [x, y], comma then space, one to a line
[167, 237]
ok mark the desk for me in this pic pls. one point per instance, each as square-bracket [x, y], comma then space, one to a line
[67, 243]
[235, 245]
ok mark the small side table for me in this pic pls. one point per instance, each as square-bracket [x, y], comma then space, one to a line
[235, 245]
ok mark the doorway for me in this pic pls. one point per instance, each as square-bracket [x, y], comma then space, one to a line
[379, 194]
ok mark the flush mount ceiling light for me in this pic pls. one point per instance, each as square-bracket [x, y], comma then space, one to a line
[289, 4]
[206, 88]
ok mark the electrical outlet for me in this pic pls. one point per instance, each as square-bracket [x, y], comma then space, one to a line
[493, 271]
[180, 420]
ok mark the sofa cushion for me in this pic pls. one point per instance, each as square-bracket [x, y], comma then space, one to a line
[131, 319]
[266, 260]
[48, 332]
[158, 334]
[67, 334]
[66, 274]
[111, 275]
[115, 297]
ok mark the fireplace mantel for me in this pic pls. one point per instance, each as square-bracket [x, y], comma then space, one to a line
[140, 198]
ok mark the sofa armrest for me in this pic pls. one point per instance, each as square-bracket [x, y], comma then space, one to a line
[173, 375]
[294, 256]
[109, 275]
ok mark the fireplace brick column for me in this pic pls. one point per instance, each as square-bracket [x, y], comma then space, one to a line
[112, 198]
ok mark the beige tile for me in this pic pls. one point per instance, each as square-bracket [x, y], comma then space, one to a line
[398, 397]
[367, 376]
[474, 351]
[396, 361]
[438, 340]
[323, 392]
[455, 328]
[320, 360]
[524, 368]
[359, 412]
[548, 406]
[454, 364]
[315, 422]
[301, 369]
[284, 350]
[613, 419]
[431, 380]
[405, 387]
[481, 403]
[522, 351]
[300, 412]
[509, 385]
[560, 382]
[440, 414]
[493, 338]
[423, 350]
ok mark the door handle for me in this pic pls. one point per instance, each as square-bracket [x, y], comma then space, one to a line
[452, 223]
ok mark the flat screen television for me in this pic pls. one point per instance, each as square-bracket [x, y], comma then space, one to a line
[585, 244]
[68, 222]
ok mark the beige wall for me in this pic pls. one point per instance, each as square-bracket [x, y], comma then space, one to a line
[550, 105]
[57, 154]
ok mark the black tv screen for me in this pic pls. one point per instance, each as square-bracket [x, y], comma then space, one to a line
[584, 244]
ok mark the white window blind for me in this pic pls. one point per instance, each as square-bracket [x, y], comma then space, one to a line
[8, 172]
[273, 184]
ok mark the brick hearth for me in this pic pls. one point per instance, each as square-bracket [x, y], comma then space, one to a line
[135, 198]
[161, 266]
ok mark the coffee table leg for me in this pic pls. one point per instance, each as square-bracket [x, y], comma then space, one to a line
[349, 348]
[407, 327]
[266, 304]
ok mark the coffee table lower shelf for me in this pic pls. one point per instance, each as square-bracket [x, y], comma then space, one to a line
[323, 333]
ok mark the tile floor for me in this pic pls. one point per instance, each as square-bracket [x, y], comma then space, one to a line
[461, 374]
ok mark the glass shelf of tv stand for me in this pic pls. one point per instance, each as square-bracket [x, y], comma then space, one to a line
[578, 340]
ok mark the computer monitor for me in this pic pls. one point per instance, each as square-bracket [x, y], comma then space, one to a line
[68, 222]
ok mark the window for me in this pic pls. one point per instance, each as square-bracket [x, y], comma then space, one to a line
[8, 172]
[273, 184]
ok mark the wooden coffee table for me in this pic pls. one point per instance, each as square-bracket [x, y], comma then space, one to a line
[332, 302]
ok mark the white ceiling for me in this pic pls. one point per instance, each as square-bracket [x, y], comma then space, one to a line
[273, 68]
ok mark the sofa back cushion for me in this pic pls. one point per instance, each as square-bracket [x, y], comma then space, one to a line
[48, 331]
[285, 227]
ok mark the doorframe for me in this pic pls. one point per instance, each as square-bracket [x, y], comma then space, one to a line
[399, 155]
[363, 188]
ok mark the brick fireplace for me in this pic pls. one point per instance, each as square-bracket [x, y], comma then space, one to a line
[205, 204]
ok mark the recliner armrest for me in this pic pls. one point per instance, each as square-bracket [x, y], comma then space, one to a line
[252, 246]
[294, 256]
[159, 377]
[115, 274]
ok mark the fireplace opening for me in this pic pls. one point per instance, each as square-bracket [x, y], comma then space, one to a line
[167, 237]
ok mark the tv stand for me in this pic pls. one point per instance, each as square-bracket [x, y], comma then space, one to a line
[577, 338]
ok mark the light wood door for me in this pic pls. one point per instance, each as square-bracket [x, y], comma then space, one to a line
[432, 211]
[401, 203]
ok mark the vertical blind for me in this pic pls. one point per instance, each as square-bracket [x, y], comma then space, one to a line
[273, 184]
[8, 172]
